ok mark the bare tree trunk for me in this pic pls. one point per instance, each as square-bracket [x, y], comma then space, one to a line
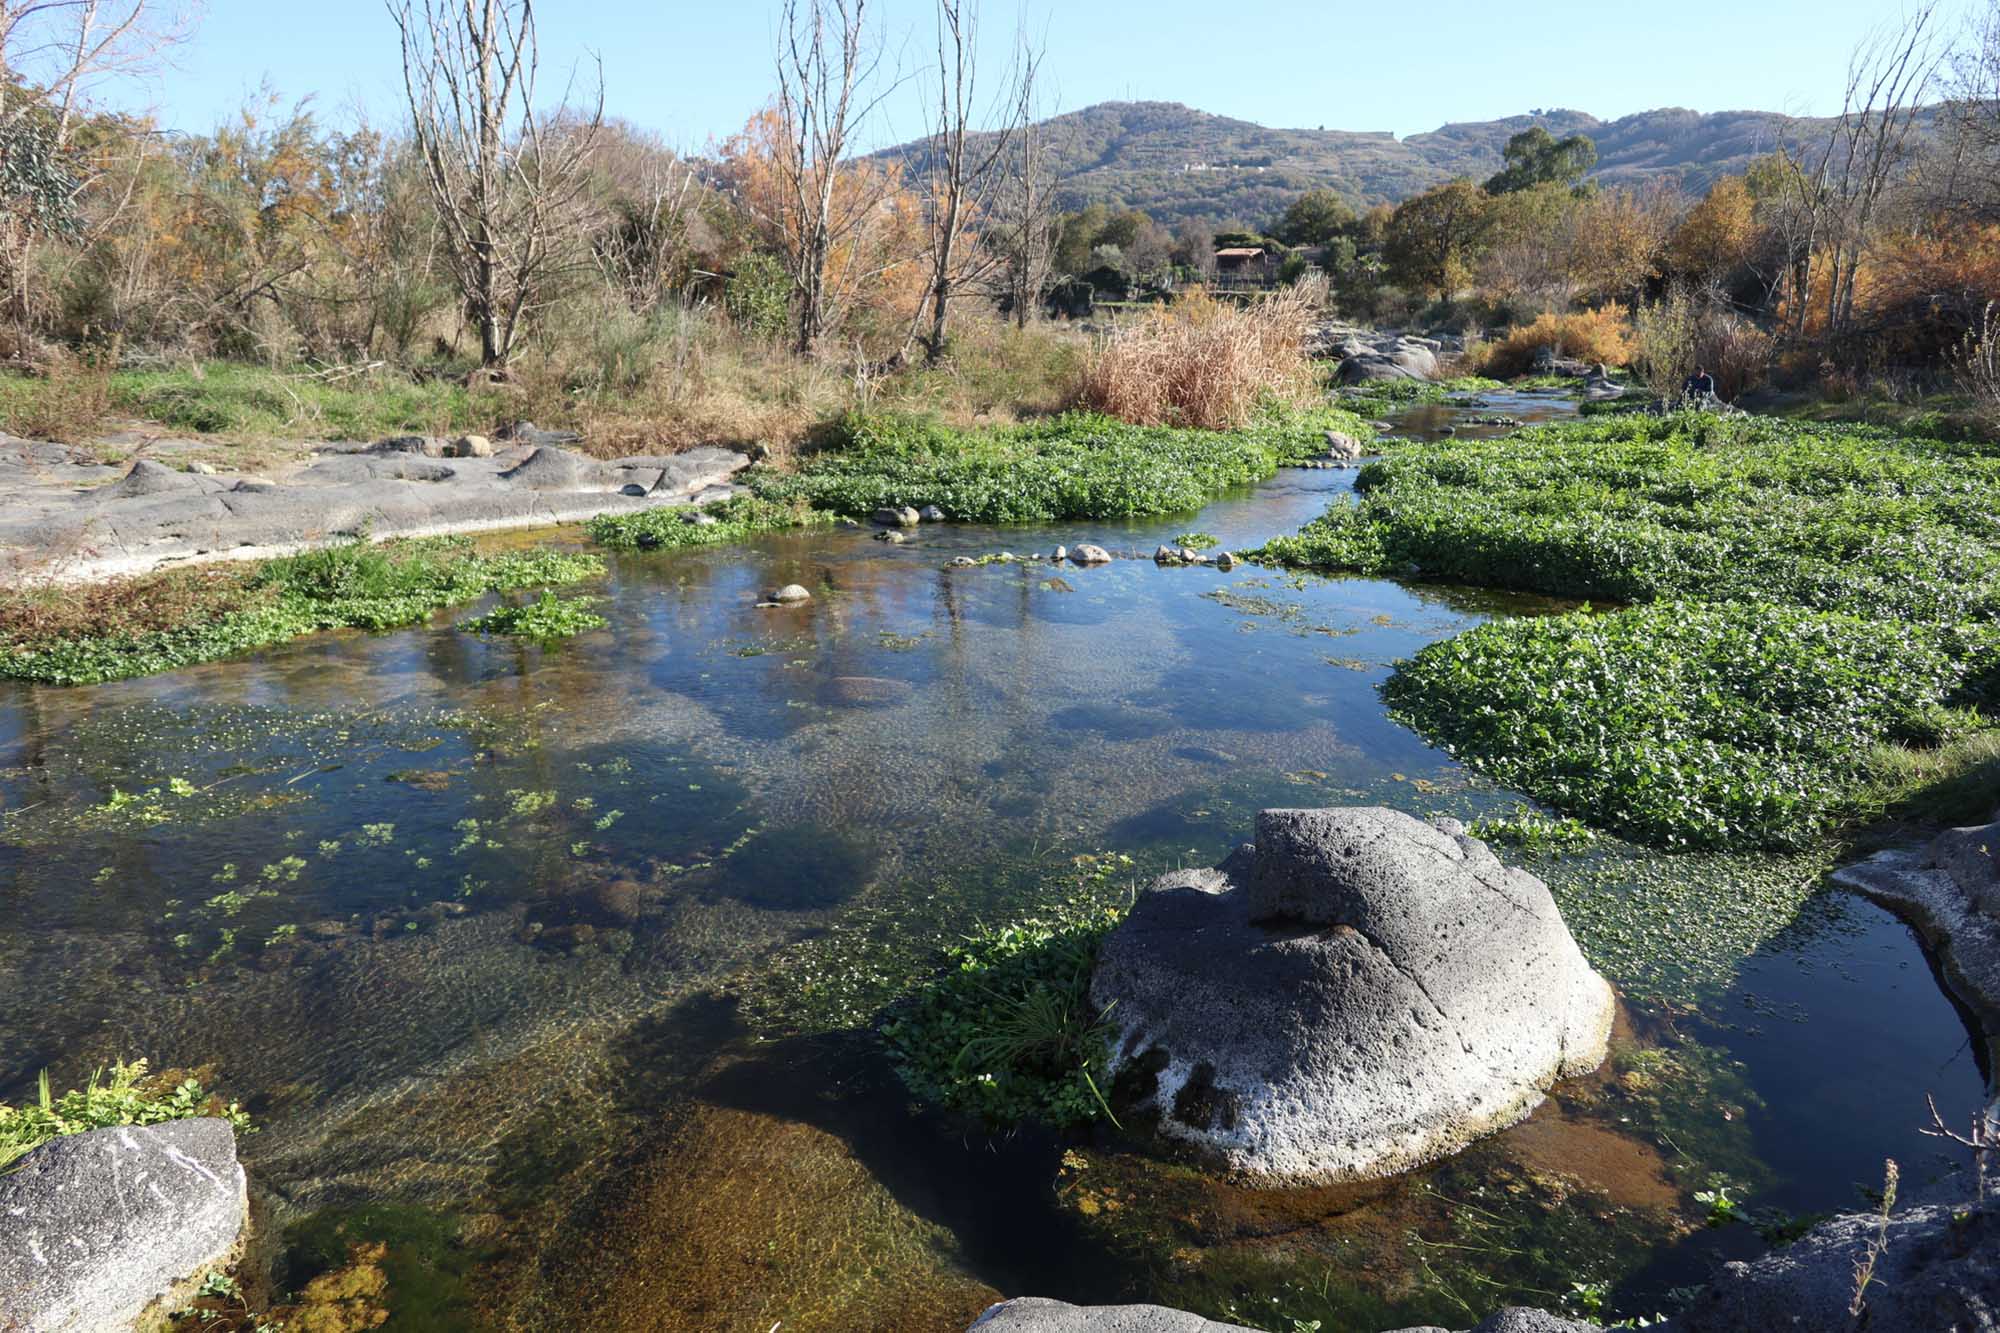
[962, 178]
[826, 87]
[507, 179]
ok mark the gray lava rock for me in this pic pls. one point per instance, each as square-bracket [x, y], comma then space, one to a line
[552, 469]
[791, 592]
[1225, 561]
[1359, 994]
[146, 477]
[898, 516]
[1166, 555]
[1087, 554]
[893, 536]
[470, 446]
[1342, 447]
[1032, 1314]
[1060, 554]
[96, 1227]
[931, 514]
[1939, 1271]
[698, 471]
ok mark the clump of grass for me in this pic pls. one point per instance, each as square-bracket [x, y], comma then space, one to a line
[549, 617]
[1601, 336]
[1204, 362]
[352, 586]
[126, 1097]
[737, 518]
[1005, 1031]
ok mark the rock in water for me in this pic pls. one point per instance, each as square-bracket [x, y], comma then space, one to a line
[1035, 1315]
[96, 1227]
[1087, 554]
[791, 592]
[1359, 994]
[1342, 447]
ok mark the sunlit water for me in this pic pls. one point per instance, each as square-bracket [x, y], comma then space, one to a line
[578, 946]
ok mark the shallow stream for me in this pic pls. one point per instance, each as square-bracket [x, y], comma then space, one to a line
[555, 966]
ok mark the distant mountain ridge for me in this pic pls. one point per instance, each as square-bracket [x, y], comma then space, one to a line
[1176, 162]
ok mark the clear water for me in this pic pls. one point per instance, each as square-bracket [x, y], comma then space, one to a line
[577, 947]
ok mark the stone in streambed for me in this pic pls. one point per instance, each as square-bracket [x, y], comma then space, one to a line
[1360, 994]
[95, 1228]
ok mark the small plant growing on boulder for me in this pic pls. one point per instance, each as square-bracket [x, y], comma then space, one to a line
[128, 1097]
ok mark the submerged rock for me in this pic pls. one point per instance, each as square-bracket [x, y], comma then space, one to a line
[931, 514]
[97, 1227]
[1359, 994]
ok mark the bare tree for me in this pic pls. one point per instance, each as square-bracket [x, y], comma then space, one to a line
[1970, 184]
[962, 174]
[1026, 212]
[828, 64]
[506, 178]
[1840, 182]
[62, 47]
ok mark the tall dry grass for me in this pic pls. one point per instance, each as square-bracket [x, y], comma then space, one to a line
[1592, 336]
[1204, 362]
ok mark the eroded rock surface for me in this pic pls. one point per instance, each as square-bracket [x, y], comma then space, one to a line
[62, 517]
[1358, 994]
[96, 1227]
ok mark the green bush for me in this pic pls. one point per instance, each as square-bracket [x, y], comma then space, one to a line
[1005, 1032]
[126, 1099]
[1682, 724]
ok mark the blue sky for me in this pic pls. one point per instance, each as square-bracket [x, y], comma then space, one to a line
[691, 70]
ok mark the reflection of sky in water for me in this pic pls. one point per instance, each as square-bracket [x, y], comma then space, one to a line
[760, 773]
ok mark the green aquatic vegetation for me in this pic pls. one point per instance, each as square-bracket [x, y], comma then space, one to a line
[549, 617]
[126, 1097]
[1647, 508]
[352, 586]
[736, 519]
[1197, 541]
[1533, 831]
[1005, 1032]
[1680, 724]
[1076, 466]
[1380, 397]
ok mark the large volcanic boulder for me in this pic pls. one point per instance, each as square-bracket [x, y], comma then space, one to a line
[96, 1228]
[1356, 995]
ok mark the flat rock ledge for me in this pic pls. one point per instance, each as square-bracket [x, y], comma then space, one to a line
[1949, 891]
[97, 1228]
[1356, 995]
[1034, 1315]
[65, 519]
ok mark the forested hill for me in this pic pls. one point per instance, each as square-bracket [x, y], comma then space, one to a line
[1175, 162]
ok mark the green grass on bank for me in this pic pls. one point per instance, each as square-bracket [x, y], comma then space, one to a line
[1075, 466]
[126, 1097]
[137, 627]
[1809, 603]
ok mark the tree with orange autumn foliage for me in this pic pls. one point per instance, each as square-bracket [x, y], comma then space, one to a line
[1718, 236]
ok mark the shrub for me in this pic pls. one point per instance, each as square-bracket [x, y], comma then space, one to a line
[128, 1098]
[1205, 363]
[1593, 336]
